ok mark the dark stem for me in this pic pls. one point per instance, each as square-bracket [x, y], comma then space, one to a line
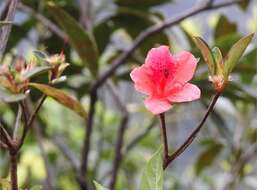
[87, 139]
[191, 138]
[164, 138]
[13, 170]
[6, 30]
[118, 153]
[29, 121]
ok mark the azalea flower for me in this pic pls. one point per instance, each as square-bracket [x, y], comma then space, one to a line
[164, 79]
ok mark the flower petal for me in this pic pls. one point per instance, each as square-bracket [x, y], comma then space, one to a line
[140, 76]
[188, 92]
[157, 106]
[185, 67]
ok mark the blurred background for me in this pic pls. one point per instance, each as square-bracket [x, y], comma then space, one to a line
[224, 155]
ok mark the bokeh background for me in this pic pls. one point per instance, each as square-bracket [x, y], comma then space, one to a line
[216, 160]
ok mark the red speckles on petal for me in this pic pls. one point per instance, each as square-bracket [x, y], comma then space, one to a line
[164, 78]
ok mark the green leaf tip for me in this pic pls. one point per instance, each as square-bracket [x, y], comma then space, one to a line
[153, 173]
[235, 53]
[206, 53]
[99, 187]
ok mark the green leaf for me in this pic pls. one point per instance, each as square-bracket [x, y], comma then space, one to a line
[37, 187]
[3, 23]
[224, 27]
[6, 184]
[134, 22]
[81, 40]
[61, 97]
[206, 53]
[99, 187]
[36, 71]
[208, 156]
[8, 97]
[153, 173]
[235, 53]
[217, 55]
[244, 4]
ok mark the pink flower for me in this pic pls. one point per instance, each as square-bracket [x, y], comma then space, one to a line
[164, 78]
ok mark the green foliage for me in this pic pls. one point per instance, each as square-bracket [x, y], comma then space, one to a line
[80, 39]
[5, 184]
[61, 97]
[236, 52]
[9, 97]
[99, 187]
[152, 178]
[207, 157]
[206, 53]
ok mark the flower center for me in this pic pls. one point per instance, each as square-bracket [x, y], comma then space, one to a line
[166, 73]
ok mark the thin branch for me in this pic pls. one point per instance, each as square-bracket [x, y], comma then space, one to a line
[38, 134]
[85, 13]
[3, 145]
[69, 155]
[154, 30]
[45, 21]
[164, 138]
[118, 153]
[17, 123]
[120, 136]
[140, 136]
[30, 121]
[6, 30]
[192, 136]
[5, 137]
[87, 139]
[4, 11]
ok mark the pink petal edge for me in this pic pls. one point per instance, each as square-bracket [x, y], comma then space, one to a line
[157, 106]
[188, 92]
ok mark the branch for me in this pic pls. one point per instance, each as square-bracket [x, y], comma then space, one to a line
[120, 137]
[85, 13]
[5, 137]
[6, 30]
[69, 155]
[87, 139]
[30, 121]
[138, 138]
[164, 139]
[191, 138]
[153, 30]
[17, 123]
[45, 21]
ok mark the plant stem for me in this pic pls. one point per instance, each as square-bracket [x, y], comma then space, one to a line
[13, 170]
[192, 136]
[164, 138]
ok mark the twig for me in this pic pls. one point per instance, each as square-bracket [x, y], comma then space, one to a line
[118, 153]
[38, 134]
[4, 11]
[49, 24]
[153, 30]
[120, 136]
[3, 145]
[164, 139]
[5, 137]
[85, 13]
[30, 121]
[17, 123]
[87, 139]
[192, 136]
[6, 30]
[138, 138]
[70, 156]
